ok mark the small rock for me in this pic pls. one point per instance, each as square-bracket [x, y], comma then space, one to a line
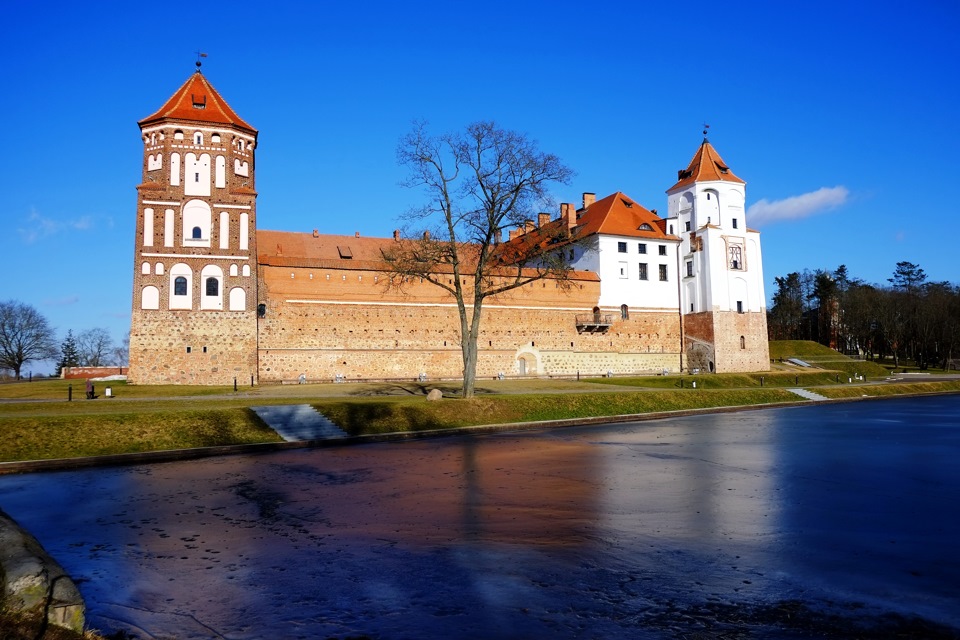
[434, 395]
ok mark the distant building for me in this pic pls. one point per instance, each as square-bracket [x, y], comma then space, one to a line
[215, 298]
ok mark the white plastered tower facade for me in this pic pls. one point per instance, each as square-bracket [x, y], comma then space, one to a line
[194, 316]
[722, 299]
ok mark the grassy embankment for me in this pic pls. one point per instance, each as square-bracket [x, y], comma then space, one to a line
[43, 425]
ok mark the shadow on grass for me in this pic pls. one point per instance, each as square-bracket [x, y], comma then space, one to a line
[413, 389]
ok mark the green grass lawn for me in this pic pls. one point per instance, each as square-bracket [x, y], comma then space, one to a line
[37, 422]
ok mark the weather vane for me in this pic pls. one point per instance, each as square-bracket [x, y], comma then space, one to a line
[706, 128]
[200, 55]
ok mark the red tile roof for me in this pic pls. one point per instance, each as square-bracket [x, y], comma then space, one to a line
[297, 249]
[185, 104]
[620, 215]
[706, 165]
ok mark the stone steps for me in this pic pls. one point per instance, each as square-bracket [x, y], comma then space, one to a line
[299, 422]
[809, 395]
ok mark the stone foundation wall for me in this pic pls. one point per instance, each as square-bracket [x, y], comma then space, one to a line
[222, 346]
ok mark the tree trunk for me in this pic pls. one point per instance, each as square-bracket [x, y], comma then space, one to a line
[469, 347]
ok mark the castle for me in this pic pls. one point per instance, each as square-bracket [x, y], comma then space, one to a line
[217, 300]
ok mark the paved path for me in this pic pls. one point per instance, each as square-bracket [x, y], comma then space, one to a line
[299, 422]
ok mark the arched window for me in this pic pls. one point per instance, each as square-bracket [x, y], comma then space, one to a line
[179, 286]
[150, 298]
[743, 342]
[624, 312]
[197, 234]
[212, 278]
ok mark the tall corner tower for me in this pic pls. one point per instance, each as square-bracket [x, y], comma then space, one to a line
[195, 252]
[721, 290]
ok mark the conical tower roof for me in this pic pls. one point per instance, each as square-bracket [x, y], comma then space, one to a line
[706, 166]
[197, 101]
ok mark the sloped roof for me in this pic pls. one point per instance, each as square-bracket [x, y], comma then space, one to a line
[620, 215]
[297, 249]
[198, 101]
[706, 166]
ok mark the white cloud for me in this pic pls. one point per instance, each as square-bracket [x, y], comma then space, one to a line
[796, 207]
[37, 226]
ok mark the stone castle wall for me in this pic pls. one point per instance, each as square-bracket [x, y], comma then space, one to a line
[192, 347]
[329, 322]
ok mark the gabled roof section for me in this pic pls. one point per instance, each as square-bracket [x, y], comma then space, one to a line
[620, 215]
[198, 101]
[706, 166]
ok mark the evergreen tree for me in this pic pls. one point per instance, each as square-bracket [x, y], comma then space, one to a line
[69, 356]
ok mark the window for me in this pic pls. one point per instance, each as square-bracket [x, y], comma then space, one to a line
[662, 249]
[623, 270]
[736, 257]
[621, 247]
[642, 248]
[689, 268]
[734, 223]
[198, 138]
[624, 312]
[196, 234]
[686, 226]
[213, 287]
[643, 270]
[645, 227]
[215, 138]
[180, 286]
[743, 342]
[663, 273]
[739, 306]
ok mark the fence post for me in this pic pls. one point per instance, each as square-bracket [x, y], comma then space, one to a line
[234, 383]
[69, 393]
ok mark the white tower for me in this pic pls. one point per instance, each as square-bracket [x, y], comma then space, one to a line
[721, 273]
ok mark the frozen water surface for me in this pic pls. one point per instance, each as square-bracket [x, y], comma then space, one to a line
[818, 521]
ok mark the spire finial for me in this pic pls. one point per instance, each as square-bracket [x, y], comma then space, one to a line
[200, 55]
[706, 128]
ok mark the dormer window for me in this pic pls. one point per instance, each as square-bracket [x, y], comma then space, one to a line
[199, 102]
[645, 227]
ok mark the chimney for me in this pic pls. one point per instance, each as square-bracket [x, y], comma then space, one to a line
[543, 219]
[396, 234]
[528, 226]
[356, 234]
[589, 199]
[497, 236]
[426, 235]
[515, 233]
[316, 233]
[568, 214]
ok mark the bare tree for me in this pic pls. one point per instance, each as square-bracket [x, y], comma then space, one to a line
[94, 346]
[479, 183]
[120, 354]
[25, 335]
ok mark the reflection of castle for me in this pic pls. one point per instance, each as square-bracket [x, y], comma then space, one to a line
[214, 298]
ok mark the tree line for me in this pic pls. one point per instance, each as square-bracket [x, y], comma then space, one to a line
[26, 336]
[907, 318]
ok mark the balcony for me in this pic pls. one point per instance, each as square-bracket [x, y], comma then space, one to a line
[593, 322]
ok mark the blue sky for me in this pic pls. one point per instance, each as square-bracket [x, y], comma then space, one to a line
[841, 119]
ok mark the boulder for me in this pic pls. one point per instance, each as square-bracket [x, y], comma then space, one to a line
[434, 395]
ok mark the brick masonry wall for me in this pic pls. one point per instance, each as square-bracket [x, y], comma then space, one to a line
[714, 337]
[348, 322]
